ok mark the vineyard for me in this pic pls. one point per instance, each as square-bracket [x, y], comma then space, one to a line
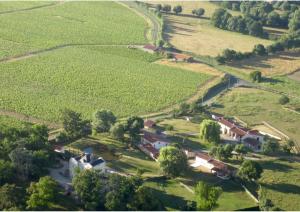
[66, 23]
[88, 78]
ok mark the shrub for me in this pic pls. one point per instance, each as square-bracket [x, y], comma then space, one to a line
[283, 100]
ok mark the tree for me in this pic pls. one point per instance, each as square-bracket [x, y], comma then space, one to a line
[103, 120]
[255, 76]
[270, 146]
[42, 194]
[90, 188]
[283, 100]
[241, 149]
[210, 131]
[177, 9]
[294, 23]
[250, 170]
[206, 196]
[198, 12]
[38, 138]
[288, 147]
[172, 161]
[158, 7]
[259, 49]
[74, 125]
[134, 126]
[117, 131]
[273, 19]
[144, 200]
[220, 18]
[121, 192]
[12, 197]
[6, 172]
[256, 29]
[166, 8]
[222, 152]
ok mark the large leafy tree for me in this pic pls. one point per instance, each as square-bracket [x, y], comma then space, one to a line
[90, 188]
[121, 192]
[103, 120]
[250, 170]
[210, 131]
[206, 196]
[74, 125]
[134, 126]
[144, 200]
[172, 161]
[177, 9]
[42, 194]
[6, 172]
[11, 197]
[117, 131]
[38, 138]
[294, 23]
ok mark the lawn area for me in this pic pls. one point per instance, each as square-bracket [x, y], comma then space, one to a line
[254, 106]
[68, 23]
[185, 133]
[281, 181]
[123, 80]
[197, 35]
[174, 195]
[118, 155]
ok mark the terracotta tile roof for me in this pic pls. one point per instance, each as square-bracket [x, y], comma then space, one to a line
[149, 123]
[203, 156]
[182, 56]
[238, 131]
[218, 165]
[151, 137]
[150, 47]
[151, 149]
[226, 122]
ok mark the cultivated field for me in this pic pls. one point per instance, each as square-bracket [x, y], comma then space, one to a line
[68, 23]
[197, 35]
[89, 78]
[254, 106]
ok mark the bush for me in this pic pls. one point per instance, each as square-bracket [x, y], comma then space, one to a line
[169, 127]
[255, 76]
[283, 100]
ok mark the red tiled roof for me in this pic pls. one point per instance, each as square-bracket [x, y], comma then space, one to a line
[151, 149]
[203, 156]
[238, 131]
[151, 137]
[150, 47]
[254, 132]
[182, 56]
[149, 123]
[226, 122]
[218, 165]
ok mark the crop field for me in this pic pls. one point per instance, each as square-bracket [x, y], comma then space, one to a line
[68, 23]
[274, 65]
[254, 106]
[89, 78]
[198, 36]
[281, 181]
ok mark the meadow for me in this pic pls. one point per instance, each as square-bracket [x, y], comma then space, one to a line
[68, 23]
[254, 106]
[198, 36]
[89, 78]
[281, 181]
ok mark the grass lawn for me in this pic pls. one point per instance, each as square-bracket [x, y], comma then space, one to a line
[197, 35]
[68, 23]
[185, 133]
[123, 80]
[254, 106]
[118, 155]
[281, 181]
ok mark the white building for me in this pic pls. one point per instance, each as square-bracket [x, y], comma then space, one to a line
[87, 161]
[154, 140]
[251, 138]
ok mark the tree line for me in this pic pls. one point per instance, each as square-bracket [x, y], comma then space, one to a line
[198, 12]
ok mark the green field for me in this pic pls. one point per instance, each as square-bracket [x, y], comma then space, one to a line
[90, 78]
[68, 23]
[254, 106]
[6, 121]
[281, 181]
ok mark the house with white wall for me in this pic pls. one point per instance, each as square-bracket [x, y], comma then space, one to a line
[86, 161]
[154, 140]
[250, 138]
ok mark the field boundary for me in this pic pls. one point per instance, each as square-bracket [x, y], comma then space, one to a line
[31, 8]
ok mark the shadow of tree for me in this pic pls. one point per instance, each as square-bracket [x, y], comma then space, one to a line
[275, 166]
[283, 187]
[271, 80]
